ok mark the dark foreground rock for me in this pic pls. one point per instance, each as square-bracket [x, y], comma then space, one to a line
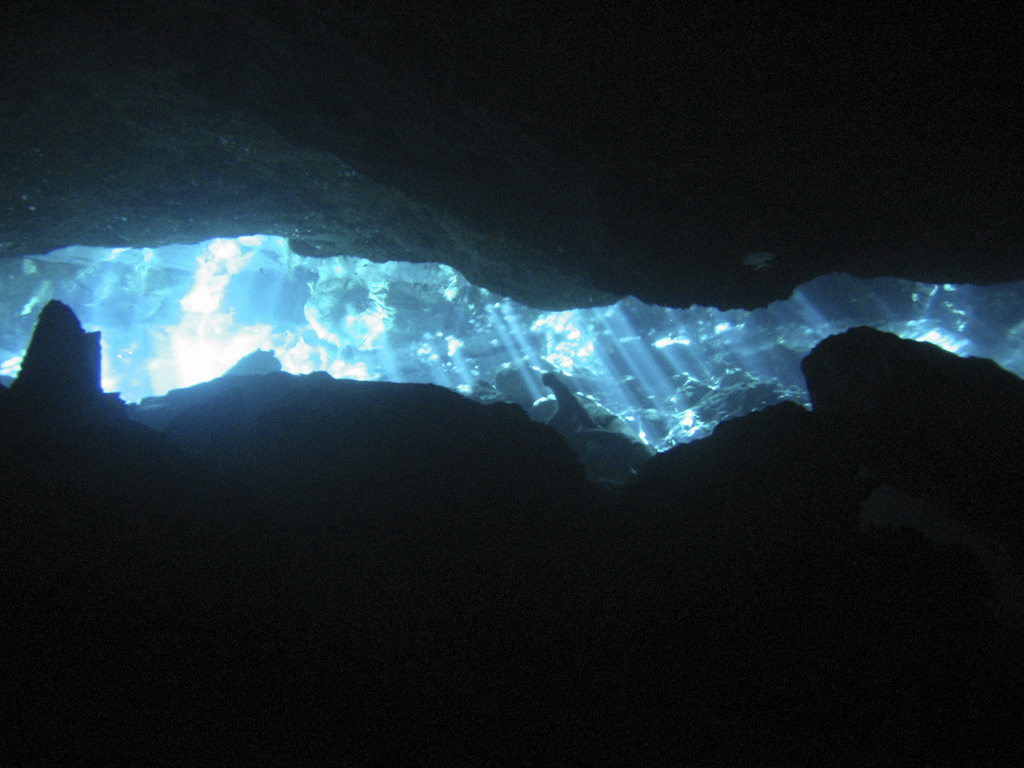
[303, 571]
[923, 419]
[60, 375]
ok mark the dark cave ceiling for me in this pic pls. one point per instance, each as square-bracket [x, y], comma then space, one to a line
[562, 157]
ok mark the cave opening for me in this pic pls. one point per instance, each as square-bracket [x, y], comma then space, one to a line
[178, 315]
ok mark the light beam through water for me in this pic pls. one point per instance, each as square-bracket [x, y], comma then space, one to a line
[174, 316]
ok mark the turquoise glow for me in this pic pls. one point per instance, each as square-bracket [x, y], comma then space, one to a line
[175, 316]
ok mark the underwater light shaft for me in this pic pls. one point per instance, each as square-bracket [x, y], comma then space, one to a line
[175, 316]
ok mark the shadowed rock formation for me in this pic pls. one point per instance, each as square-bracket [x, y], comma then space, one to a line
[311, 571]
[923, 419]
[59, 381]
[62, 362]
[560, 155]
[609, 451]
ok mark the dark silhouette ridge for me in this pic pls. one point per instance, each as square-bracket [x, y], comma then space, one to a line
[294, 569]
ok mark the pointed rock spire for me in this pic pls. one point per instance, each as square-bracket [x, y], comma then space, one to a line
[60, 373]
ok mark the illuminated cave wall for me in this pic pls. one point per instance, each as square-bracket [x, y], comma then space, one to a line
[178, 315]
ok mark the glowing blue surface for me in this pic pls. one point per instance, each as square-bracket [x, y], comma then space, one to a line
[175, 316]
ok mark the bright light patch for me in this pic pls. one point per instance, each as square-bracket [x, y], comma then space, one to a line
[668, 341]
[174, 316]
[940, 339]
[10, 366]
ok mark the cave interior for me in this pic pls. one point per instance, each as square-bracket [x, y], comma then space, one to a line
[387, 383]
